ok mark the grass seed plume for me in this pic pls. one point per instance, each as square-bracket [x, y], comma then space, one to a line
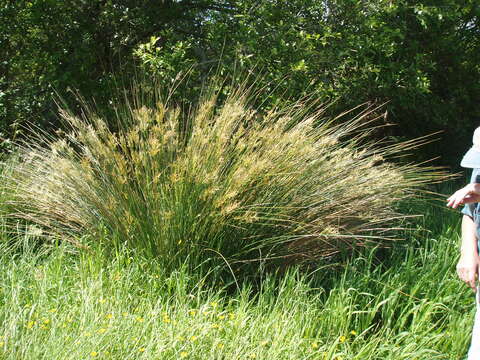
[223, 180]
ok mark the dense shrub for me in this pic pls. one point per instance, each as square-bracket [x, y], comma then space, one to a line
[421, 57]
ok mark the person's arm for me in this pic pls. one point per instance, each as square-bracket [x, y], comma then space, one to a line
[469, 263]
[466, 195]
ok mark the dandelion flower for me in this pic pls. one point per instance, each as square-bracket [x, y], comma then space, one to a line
[193, 338]
[30, 324]
[353, 332]
[141, 349]
[183, 354]
[342, 339]
[108, 316]
[213, 304]
[94, 354]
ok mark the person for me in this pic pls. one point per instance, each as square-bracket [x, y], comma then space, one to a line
[468, 266]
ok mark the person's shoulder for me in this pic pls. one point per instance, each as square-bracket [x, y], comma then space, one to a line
[475, 178]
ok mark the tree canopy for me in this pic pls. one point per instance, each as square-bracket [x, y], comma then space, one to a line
[422, 58]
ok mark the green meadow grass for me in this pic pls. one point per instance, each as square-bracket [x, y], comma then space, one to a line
[403, 303]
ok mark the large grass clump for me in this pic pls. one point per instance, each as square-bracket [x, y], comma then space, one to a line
[221, 180]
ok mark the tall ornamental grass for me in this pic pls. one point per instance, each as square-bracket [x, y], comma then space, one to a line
[222, 180]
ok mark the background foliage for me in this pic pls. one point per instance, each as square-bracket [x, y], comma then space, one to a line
[420, 56]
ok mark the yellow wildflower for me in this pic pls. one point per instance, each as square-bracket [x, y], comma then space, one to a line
[231, 316]
[140, 319]
[94, 354]
[183, 354]
[342, 339]
[215, 326]
[221, 317]
[30, 324]
[213, 304]
[46, 321]
[314, 345]
[353, 332]
[253, 356]
[2, 343]
[101, 331]
[193, 338]
[192, 312]
[141, 349]
[108, 316]
[52, 310]
[220, 346]
[102, 301]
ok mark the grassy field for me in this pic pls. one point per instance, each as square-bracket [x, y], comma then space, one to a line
[404, 303]
[170, 234]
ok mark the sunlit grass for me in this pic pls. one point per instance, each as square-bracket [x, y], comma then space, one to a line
[221, 181]
[59, 305]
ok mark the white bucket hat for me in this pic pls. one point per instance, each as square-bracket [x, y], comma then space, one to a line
[472, 158]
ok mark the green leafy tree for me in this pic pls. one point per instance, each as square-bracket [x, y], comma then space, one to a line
[419, 56]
